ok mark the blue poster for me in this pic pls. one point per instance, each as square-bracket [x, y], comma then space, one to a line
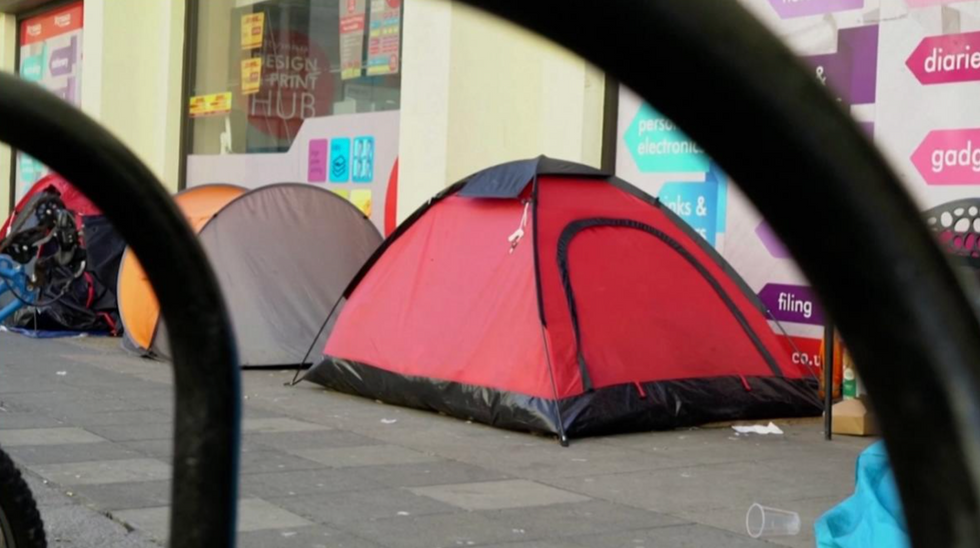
[339, 160]
[659, 146]
[363, 159]
[700, 205]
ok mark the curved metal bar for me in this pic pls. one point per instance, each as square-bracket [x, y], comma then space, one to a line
[206, 372]
[724, 78]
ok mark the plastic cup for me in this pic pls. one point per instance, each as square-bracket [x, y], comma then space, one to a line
[762, 521]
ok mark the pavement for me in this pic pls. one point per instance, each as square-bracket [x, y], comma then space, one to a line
[91, 427]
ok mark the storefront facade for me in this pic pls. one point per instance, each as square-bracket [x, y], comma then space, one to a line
[124, 64]
[386, 102]
[296, 91]
[906, 71]
[381, 101]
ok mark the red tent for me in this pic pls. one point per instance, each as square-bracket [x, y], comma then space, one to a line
[547, 296]
[90, 302]
[71, 196]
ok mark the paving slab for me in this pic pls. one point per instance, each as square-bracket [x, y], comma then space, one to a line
[253, 515]
[79, 527]
[317, 439]
[253, 412]
[560, 543]
[429, 473]
[45, 494]
[162, 448]
[724, 445]
[279, 425]
[127, 416]
[437, 531]
[158, 398]
[677, 536]
[47, 436]
[134, 432]
[545, 459]
[370, 455]
[306, 482]
[733, 518]
[339, 509]
[708, 487]
[77, 452]
[127, 495]
[103, 472]
[580, 518]
[318, 536]
[71, 403]
[10, 420]
[68, 523]
[496, 495]
[259, 461]
[16, 383]
[259, 515]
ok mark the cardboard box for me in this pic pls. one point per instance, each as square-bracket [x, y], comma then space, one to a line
[852, 418]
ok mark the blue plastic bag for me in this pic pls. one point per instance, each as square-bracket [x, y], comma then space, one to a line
[870, 518]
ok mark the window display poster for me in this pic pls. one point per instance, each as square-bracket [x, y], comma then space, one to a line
[655, 155]
[295, 83]
[907, 73]
[210, 105]
[253, 27]
[51, 56]
[352, 18]
[353, 155]
[251, 75]
[384, 40]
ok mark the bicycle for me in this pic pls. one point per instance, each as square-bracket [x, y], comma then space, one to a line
[20, 521]
[39, 256]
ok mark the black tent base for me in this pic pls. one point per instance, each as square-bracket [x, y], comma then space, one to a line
[620, 409]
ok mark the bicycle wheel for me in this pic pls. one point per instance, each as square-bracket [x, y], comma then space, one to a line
[20, 522]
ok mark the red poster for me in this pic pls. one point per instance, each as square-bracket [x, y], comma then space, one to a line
[54, 23]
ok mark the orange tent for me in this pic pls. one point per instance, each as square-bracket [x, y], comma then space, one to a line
[138, 304]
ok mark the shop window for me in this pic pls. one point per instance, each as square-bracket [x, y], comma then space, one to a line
[298, 91]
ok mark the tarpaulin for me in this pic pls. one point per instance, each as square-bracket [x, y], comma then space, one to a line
[872, 517]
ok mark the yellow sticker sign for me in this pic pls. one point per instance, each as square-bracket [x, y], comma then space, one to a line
[210, 105]
[251, 75]
[253, 25]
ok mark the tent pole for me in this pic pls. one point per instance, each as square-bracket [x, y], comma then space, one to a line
[299, 367]
[562, 437]
[828, 379]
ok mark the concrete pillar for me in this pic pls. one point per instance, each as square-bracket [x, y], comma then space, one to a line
[132, 76]
[477, 91]
[8, 43]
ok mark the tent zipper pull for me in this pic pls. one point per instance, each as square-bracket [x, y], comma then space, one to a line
[515, 238]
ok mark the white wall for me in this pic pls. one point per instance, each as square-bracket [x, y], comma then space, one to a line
[477, 91]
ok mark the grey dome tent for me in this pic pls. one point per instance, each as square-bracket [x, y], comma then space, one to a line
[283, 255]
